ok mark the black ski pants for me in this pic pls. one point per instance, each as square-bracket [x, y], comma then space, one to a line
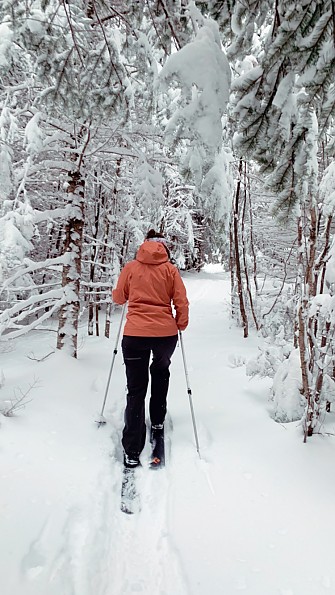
[136, 354]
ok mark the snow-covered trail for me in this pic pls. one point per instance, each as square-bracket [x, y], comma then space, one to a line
[252, 515]
[253, 506]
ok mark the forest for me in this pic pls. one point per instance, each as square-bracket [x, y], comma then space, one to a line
[211, 121]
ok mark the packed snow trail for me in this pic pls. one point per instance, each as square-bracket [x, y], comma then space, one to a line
[253, 515]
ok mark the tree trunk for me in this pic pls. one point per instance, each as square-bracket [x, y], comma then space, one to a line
[237, 254]
[108, 320]
[69, 312]
[94, 257]
[244, 252]
[302, 324]
[232, 265]
[252, 244]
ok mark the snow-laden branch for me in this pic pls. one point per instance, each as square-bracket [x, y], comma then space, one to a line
[323, 304]
[33, 325]
[24, 304]
[39, 216]
[32, 267]
[48, 164]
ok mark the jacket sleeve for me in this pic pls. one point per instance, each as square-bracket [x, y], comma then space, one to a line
[120, 294]
[180, 302]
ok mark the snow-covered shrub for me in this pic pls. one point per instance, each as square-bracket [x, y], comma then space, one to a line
[288, 402]
[276, 312]
[268, 360]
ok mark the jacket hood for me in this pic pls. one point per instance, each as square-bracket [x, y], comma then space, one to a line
[152, 253]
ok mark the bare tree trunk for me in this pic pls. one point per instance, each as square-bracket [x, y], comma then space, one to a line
[108, 320]
[322, 260]
[252, 244]
[244, 252]
[302, 324]
[311, 282]
[124, 249]
[69, 312]
[198, 256]
[237, 254]
[232, 264]
[303, 350]
[310, 279]
[93, 263]
[106, 239]
[320, 376]
[97, 309]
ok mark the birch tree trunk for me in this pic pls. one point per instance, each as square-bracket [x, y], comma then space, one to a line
[302, 325]
[67, 337]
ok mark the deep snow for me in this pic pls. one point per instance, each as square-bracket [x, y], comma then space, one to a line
[253, 515]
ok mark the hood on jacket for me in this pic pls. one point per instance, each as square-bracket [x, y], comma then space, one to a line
[152, 253]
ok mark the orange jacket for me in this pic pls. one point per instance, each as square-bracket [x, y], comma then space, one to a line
[149, 283]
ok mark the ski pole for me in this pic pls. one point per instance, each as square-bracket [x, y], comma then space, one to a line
[102, 420]
[189, 392]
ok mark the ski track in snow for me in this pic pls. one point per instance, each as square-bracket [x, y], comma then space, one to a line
[102, 551]
[144, 559]
[67, 556]
[90, 547]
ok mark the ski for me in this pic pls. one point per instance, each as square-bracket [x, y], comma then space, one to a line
[130, 499]
[157, 460]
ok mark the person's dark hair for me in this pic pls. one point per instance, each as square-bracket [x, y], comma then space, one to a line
[152, 234]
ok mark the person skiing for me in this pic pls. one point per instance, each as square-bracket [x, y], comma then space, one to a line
[151, 284]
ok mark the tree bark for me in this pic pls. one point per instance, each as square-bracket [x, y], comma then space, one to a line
[302, 324]
[67, 337]
[244, 252]
[237, 254]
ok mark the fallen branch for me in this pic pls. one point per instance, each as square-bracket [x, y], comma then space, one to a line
[41, 359]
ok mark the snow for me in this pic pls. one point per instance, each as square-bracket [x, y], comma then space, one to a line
[6, 36]
[202, 71]
[288, 403]
[327, 189]
[34, 135]
[252, 516]
[330, 270]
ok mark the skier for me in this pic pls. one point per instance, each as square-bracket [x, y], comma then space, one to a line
[150, 284]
